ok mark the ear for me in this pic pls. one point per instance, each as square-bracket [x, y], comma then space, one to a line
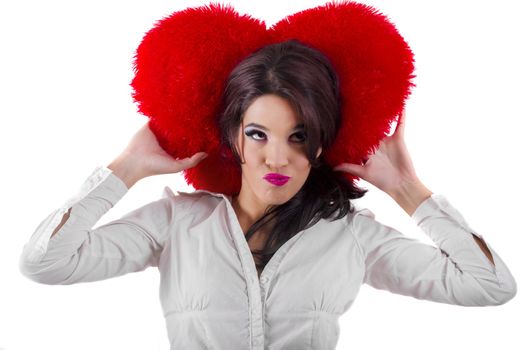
[239, 144]
[319, 152]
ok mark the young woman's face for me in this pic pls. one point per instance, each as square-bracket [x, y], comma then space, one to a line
[275, 145]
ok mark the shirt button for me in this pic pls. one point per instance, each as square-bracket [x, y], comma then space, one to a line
[264, 279]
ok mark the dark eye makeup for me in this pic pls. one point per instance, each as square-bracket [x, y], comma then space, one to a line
[252, 132]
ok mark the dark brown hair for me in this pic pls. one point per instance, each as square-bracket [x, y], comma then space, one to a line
[306, 79]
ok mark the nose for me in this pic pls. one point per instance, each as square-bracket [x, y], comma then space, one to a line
[277, 155]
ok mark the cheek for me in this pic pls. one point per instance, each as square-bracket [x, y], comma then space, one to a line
[303, 162]
[252, 154]
[305, 167]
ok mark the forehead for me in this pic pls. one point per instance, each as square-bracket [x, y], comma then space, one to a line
[271, 111]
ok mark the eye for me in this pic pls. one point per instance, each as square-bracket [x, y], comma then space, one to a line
[250, 133]
[301, 135]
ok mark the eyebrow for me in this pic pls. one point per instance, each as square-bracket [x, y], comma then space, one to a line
[298, 126]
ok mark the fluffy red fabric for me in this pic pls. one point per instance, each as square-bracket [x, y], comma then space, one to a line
[182, 64]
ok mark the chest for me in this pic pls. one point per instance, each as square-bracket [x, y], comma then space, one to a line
[257, 242]
[211, 267]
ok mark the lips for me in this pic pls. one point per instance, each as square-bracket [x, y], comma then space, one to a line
[276, 179]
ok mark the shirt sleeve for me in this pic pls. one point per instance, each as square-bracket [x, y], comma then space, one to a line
[80, 253]
[455, 272]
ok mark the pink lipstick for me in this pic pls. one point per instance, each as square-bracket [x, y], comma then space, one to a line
[276, 179]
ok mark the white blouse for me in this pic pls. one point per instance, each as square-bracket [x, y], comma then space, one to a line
[210, 292]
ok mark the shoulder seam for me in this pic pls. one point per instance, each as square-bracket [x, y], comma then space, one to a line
[352, 232]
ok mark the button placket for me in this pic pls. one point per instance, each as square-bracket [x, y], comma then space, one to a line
[257, 289]
[252, 280]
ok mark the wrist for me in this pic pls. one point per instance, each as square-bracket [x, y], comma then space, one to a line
[410, 195]
[124, 168]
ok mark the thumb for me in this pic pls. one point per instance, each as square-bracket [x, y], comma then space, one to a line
[353, 169]
[190, 162]
[197, 157]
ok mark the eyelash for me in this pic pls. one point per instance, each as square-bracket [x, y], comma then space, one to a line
[250, 133]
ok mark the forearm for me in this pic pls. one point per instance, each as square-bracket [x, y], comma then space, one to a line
[124, 168]
[411, 195]
[484, 248]
[52, 261]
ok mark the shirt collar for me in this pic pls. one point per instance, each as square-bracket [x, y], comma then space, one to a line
[196, 192]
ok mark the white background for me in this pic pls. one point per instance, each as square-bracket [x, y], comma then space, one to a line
[65, 68]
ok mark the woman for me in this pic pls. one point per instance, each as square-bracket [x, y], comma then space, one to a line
[292, 224]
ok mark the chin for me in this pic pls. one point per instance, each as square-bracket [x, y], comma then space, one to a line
[273, 198]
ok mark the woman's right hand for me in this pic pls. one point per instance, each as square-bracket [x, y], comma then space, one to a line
[144, 157]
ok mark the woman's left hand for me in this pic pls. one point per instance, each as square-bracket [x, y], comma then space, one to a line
[390, 167]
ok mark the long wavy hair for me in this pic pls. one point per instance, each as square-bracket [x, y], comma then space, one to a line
[306, 79]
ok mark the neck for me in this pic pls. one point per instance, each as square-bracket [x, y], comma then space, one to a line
[246, 215]
[247, 219]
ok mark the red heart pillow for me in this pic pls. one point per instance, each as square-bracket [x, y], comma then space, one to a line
[183, 62]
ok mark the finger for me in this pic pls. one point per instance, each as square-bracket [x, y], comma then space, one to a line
[351, 168]
[197, 157]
